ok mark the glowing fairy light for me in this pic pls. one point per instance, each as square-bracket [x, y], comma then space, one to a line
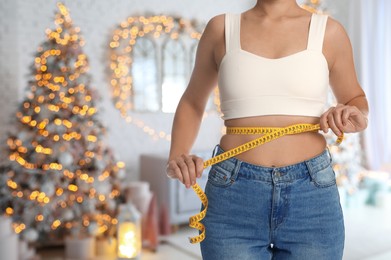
[124, 37]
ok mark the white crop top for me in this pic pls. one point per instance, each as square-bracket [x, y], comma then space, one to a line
[252, 85]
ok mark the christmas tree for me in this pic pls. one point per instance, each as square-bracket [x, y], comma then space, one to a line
[61, 177]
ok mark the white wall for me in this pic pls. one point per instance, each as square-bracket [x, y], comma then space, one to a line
[22, 26]
[9, 67]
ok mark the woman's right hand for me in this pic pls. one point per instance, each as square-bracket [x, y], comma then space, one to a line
[185, 168]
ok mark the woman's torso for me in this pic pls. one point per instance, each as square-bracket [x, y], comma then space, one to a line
[288, 149]
[283, 151]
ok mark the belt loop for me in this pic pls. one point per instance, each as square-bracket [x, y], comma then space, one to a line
[237, 165]
[235, 172]
[309, 168]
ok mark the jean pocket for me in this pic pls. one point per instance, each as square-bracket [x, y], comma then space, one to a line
[324, 178]
[220, 177]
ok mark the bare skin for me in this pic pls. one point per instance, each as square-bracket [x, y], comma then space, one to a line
[272, 29]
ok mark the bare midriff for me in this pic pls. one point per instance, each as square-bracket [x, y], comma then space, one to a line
[286, 150]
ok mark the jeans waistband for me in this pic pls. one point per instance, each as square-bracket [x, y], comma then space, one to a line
[284, 173]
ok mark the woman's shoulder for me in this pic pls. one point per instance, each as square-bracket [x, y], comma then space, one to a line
[334, 28]
[215, 27]
[336, 40]
[216, 22]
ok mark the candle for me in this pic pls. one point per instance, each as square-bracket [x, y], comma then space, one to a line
[129, 233]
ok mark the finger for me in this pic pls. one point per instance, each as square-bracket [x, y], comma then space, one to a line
[345, 117]
[323, 121]
[178, 174]
[191, 168]
[199, 165]
[185, 172]
[333, 127]
[324, 126]
[337, 116]
[174, 172]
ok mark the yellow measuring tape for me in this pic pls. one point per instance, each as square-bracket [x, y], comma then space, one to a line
[269, 134]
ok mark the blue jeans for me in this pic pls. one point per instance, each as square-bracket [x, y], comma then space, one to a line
[255, 212]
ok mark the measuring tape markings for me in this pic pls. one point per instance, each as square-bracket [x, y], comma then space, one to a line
[270, 133]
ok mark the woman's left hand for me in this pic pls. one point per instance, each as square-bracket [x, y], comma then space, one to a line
[343, 119]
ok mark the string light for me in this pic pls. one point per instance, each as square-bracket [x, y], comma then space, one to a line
[121, 46]
[73, 187]
[9, 211]
[19, 227]
[56, 224]
[12, 184]
[39, 218]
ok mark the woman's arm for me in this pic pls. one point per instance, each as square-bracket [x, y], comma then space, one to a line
[350, 115]
[191, 107]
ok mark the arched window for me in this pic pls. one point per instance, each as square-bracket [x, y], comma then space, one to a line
[175, 74]
[151, 61]
[145, 94]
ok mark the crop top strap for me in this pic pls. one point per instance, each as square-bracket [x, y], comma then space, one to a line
[232, 32]
[316, 32]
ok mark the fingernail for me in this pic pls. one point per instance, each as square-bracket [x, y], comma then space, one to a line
[192, 183]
